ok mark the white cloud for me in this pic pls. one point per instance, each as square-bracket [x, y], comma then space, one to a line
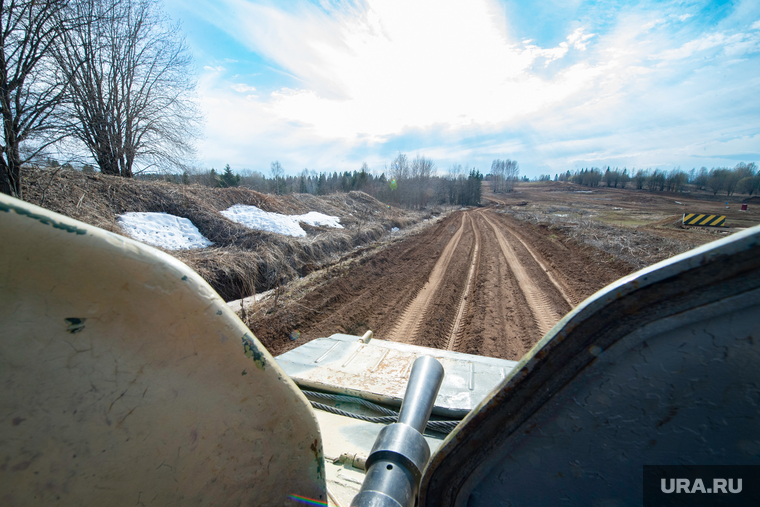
[579, 39]
[243, 88]
[733, 45]
[403, 70]
[397, 65]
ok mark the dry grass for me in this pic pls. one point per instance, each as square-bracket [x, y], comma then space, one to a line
[634, 245]
[242, 261]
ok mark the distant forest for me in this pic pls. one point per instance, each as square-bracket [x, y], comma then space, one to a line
[415, 184]
[742, 179]
[407, 183]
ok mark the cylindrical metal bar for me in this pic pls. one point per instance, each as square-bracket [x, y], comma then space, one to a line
[400, 453]
[421, 392]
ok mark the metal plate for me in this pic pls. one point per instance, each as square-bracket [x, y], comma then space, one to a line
[379, 371]
[128, 381]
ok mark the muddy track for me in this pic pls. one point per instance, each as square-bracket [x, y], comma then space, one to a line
[544, 310]
[476, 282]
[411, 318]
[466, 297]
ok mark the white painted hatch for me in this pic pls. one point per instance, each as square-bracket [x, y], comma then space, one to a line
[379, 371]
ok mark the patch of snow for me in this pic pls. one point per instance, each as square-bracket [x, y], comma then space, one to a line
[255, 218]
[394, 229]
[163, 229]
[316, 218]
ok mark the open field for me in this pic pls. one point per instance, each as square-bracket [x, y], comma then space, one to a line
[491, 280]
[625, 207]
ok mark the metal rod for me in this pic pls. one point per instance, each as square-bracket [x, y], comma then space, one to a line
[400, 454]
[421, 392]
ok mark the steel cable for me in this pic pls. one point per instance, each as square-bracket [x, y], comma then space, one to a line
[350, 399]
[445, 427]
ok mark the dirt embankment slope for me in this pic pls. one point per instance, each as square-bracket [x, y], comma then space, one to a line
[241, 261]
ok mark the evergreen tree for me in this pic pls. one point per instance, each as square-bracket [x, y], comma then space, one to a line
[228, 179]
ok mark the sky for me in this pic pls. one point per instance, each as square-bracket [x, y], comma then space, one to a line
[555, 85]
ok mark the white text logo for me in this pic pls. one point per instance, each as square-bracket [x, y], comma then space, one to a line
[685, 486]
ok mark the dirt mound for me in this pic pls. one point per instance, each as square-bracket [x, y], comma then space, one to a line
[242, 261]
[755, 199]
[672, 222]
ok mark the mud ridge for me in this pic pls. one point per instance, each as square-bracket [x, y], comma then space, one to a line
[456, 331]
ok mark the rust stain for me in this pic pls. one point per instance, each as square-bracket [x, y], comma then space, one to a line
[671, 414]
[20, 467]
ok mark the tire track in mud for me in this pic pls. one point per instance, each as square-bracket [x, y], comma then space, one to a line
[498, 321]
[412, 317]
[466, 298]
[548, 272]
[540, 305]
[475, 282]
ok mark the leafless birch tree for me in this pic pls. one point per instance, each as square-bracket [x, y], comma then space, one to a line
[504, 173]
[132, 85]
[31, 87]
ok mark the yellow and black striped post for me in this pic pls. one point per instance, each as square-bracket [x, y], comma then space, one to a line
[703, 219]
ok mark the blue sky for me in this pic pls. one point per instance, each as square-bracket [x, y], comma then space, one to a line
[556, 85]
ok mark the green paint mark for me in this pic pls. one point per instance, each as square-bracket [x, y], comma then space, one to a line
[316, 449]
[42, 218]
[184, 278]
[219, 312]
[75, 324]
[251, 351]
[244, 373]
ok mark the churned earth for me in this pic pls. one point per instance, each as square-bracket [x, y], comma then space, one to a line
[493, 280]
[477, 281]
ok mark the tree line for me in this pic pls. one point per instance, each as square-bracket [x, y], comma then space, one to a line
[742, 179]
[408, 183]
[109, 78]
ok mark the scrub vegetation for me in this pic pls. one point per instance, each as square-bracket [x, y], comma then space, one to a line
[242, 261]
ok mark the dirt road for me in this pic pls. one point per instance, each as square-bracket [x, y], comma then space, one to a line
[476, 282]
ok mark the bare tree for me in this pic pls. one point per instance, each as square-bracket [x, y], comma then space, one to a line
[421, 170]
[400, 167]
[511, 174]
[277, 173]
[31, 88]
[504, 174]
[131, 88]
[497, 176]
